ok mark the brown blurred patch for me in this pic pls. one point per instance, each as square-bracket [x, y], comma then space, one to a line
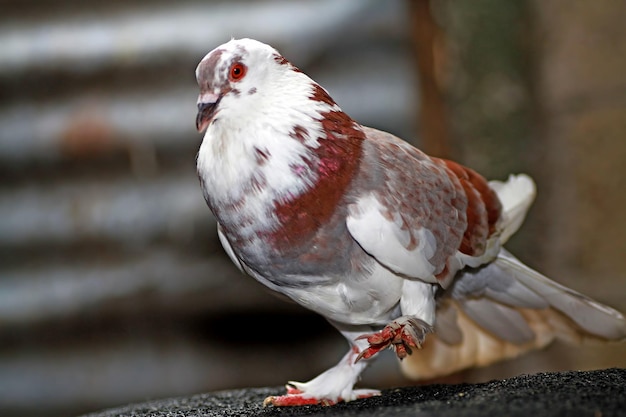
[89, 134]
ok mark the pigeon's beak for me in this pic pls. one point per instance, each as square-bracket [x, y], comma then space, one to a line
[207, 107]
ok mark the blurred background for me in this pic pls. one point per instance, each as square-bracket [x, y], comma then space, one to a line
[113, 286]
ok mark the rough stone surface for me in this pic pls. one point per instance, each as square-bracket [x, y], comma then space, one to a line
[590, 393]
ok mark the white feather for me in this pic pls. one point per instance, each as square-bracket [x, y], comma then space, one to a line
[418, 300]
[385, 241]
[516, 196]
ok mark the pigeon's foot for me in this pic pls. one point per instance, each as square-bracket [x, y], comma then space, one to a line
[296, 397]
[402, 335]
[330, 387]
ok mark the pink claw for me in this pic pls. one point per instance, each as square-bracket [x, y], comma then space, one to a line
[402, 337]
[292, 400]
[295, 397]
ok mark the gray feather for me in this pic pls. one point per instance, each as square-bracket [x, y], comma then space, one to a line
[493, 282]
[592, 317]
[489, 294]
[446, 324]
[502, 321]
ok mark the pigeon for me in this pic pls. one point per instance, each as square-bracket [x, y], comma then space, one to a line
[395, 248]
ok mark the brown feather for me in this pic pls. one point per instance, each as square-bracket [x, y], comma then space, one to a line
[483, 208]
[336, 163]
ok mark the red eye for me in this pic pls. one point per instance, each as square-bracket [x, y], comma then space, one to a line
[237, 71]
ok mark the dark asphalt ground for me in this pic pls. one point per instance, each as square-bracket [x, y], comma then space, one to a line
[591, 394]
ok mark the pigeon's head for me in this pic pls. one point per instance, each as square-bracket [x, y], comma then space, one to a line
[232, 74]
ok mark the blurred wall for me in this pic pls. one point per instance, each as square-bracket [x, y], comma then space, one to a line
[113, 287]
[580, 52]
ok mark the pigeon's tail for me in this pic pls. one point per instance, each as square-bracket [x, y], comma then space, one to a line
[502, 310]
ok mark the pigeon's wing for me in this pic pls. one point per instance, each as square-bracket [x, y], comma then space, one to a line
[422, 217]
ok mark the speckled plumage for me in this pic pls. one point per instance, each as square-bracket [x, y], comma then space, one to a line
[387, 243]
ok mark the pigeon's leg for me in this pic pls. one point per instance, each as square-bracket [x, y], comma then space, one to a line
[408, 331]
[333, 385]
